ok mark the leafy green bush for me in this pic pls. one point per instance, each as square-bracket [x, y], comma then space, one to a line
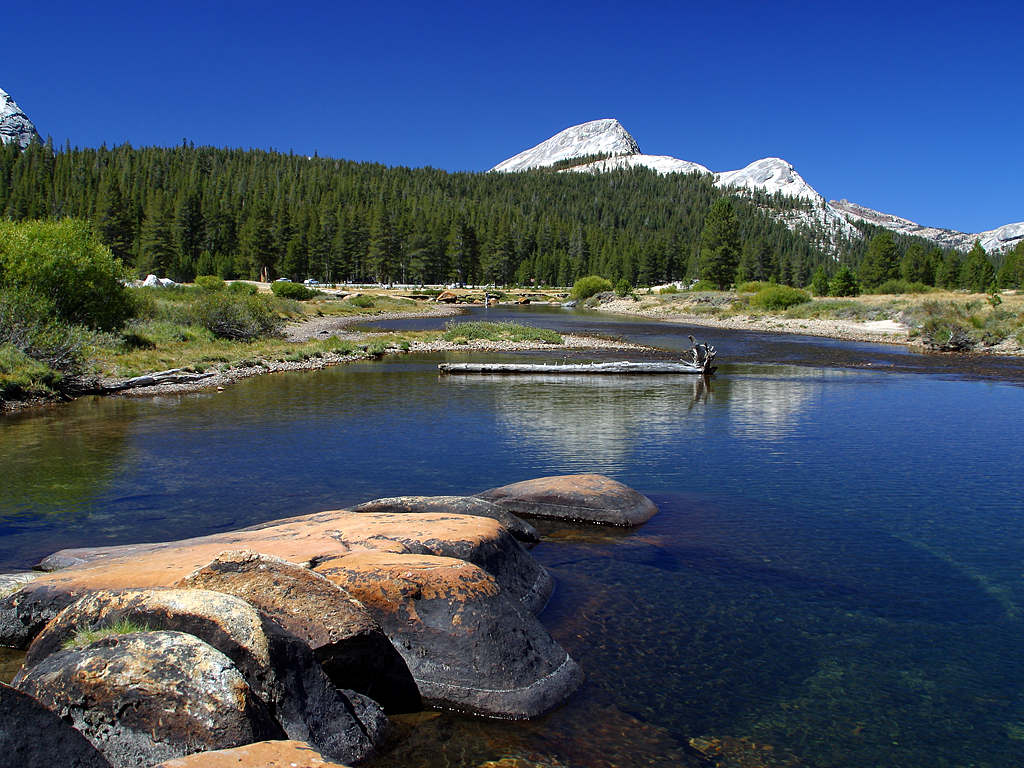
[844, 283]
[67, 267]
[210, 282]
[363, 302]
[292, 291]
[623, 288]
[900, 286]
[586, 287]
[246, 289]
[668, 289]
[819, 282]
[752, 286]
[242, 318]
[776, 297]
[704, 285]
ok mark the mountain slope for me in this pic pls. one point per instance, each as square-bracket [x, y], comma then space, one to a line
[993, 241]
[772, 175]
[14, 123]
[598, 137]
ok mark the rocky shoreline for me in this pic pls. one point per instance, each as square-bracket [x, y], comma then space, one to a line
[309, 629]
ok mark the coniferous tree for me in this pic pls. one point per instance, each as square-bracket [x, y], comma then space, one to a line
[947, 273]
[256, 243]
[881, 262]
[156, 240]
[1011, 273]
[114, 221]
[844, 283]
[383, 254]
[977, 273]
[916, 265]
[719, 244]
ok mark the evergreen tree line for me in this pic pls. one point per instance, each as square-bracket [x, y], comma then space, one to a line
[183, 211]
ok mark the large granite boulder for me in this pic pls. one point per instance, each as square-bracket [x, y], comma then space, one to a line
[264, 754]
[301, 540]
[281, 669]
[145, 697]
[469, 645]
[346, 640]
[458, 505]
[32, 735]
[577, 498]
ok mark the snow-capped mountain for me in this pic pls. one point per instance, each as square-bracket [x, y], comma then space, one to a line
[598, 137]
[608, 137]
[993, 241]
[14, 124]
[771, 174]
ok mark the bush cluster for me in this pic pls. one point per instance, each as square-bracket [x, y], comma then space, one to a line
[241, 318]
[210, 282]
[586, 287]
[363, 302]
[295, 291]
[779, 297]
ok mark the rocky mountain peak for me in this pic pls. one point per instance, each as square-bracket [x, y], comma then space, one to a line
[597, 137]
[14, 124]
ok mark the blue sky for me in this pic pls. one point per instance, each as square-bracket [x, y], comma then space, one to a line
[912, 108]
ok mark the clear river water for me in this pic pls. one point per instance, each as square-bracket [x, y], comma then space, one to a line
[835, 576]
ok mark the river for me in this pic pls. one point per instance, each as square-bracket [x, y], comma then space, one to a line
[834, 577]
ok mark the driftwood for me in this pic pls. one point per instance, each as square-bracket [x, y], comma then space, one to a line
[604, 368]
[172, 376]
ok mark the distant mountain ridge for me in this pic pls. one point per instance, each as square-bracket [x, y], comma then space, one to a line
[771, 174]
[14, 123]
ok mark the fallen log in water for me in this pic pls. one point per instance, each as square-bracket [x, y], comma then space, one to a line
[617, 367]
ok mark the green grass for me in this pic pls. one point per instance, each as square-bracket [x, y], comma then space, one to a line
[84, 636]
[22, 376]
[456, 332]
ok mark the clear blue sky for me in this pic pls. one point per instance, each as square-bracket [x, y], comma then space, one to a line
[912, 108]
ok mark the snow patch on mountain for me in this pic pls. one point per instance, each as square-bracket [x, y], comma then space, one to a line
[661, 163]
[14, 124]
[993, 241]
[598, 137]
[771, 174]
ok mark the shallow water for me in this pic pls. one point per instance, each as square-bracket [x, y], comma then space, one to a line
[834, 577]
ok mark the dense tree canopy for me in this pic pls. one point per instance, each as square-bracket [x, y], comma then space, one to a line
[189, 210]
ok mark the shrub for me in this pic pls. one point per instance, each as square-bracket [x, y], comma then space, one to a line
[461, 333]
[246, 289]
[669, 289]
[241, 318]
[210, 282]
[66, 266]
[752, 286]
[292, 291]
[779, 297]
[900, 286]
[586, 287]
[819, 282]
[623, 288]
[363, 302]
[703, 285]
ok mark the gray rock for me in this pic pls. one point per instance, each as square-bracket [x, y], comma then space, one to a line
[32, 735]
[458, 505]
[146, 697]
[279, 668]
[577, 498]
[14, 123]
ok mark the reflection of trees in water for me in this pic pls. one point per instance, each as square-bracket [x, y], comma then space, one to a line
[767, 408]
[595, 421]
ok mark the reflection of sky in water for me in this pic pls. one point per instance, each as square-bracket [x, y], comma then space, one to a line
[769, 409]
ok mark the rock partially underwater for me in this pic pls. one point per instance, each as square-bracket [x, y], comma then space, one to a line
[298, 628]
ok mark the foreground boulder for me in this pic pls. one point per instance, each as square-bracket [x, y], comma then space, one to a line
[301, 540]
[32, 735]
[346, 640]
[458, 505]
[280, 669]
[468, 645]
[264, 754]
[576, 498]
[145, 697]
